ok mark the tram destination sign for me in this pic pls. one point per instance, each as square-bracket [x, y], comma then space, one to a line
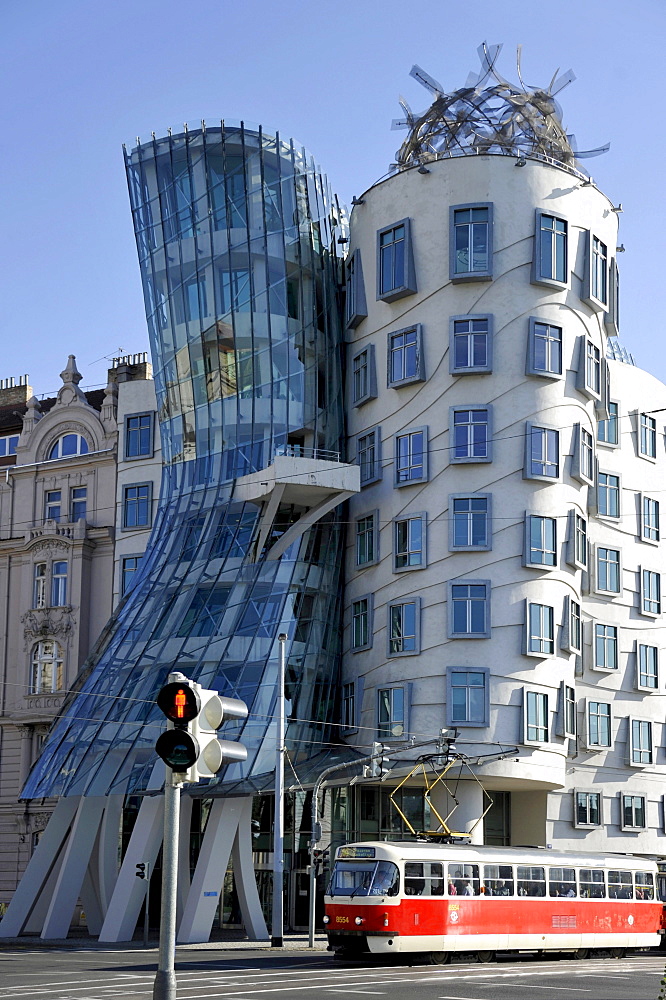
[356, 852]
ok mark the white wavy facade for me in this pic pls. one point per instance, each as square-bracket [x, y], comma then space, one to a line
[503, 562]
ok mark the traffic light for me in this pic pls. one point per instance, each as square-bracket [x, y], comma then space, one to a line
[376, 768]
[142, 869]
[190, 746]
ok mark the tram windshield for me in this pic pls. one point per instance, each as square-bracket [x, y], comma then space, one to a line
[369, 878]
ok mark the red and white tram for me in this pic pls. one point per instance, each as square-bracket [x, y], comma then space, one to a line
[387, 898]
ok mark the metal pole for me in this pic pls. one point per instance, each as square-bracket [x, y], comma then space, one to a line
[312, 901]
[146, 918]
[165, 980]
[277, 922]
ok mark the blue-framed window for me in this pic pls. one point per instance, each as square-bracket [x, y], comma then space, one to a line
[650, 529]
[470, 520]
[595, 282]
[364, 376]
[405, 357]
[540, 640]
[8, 444]
[467, 696]
[471, 434]
[139, 435]
[404, 627]
[69, 445]
[409, 542]
[361, 623]
[551, 256]
[647, 667]
[368, 456]
[609, 570]
[391, 713]
[647, 436]
[355, 304]
[608, 494]
[542, 460]
[367, 539]
[650, 592]
[129, 568]
[471, 242]
[411, 456]
[52, 505]
[395, 262]
[605, 646]
[137, 505]
[470, 344]
[535, 722]
[469, 609]
[59, 575]
[78, 498]
[540, 540]
[544, 350]
[608, 429]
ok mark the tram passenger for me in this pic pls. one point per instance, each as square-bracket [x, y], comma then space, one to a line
[452, 889]
[468, 889]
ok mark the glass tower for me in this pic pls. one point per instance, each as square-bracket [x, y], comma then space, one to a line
[236, 233]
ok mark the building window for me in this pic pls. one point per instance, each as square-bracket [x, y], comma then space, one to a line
[543, 453]
[411, 457]
[573, 628]
[596, 271]
[391, 713]
[577, 540]
[471, 435]
[540, 629]
[536, 717]
[405, 357]
[650, 520]
[470, 347]
[39, 593]
[592, 365]
[68, 445]
[409, 542]
[77, 503]
[469, 616]
[367, 539]
[348, 706]
[361, 622]
[540, 540]
[598, 724]
[8, 444]
[612, 317]
[582, 455]
[607, 430]
[647, 443]
[648, 667]
[587, 809]
[633, 812]
[605, 647]
[550, 258]
[467, 696]
[137, 506]
[130, 565]
[544, 355]
[641, 741]
[207, 607]
[470, 522]
[139, 435]
[364, 379]
[355, 305]
[404, 627]
[650, 592]
[608, 495]
[58, 584]
[52, 505]
[569, 697]
[47, 668]
[470, 248]
[608, 570]
[395, 264]
[368, 456]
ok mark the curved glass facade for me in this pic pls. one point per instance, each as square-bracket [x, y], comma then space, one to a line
[236, 233]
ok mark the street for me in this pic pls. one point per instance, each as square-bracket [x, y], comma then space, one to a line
[46, 974]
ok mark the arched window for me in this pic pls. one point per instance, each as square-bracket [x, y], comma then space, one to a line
[47, 667]
[69, 444]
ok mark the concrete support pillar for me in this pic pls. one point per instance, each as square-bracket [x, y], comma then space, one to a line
[466, 817]
[25, 753]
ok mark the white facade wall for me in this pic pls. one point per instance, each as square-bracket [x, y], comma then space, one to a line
[542, 774]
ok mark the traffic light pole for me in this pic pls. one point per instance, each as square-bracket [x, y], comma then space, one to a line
[165, 980]
[277, 921]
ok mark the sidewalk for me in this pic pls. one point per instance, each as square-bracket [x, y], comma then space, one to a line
[80, 941]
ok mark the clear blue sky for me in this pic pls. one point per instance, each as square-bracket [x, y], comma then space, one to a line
[79, 77]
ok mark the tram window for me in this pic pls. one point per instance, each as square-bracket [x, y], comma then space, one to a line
[350, 878]
[620, 885]
[498, 880]
[644, 885]
[592, 883]
[436, 871]
[562, 881]
[662, 887]
[464, 880]
[531, 880]
[414, 878]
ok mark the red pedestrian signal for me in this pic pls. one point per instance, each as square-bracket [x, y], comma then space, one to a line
[179, 702]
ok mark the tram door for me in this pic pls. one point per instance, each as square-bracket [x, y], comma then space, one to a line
[298, 903]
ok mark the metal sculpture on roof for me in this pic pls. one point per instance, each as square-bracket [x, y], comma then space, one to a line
[489, 115]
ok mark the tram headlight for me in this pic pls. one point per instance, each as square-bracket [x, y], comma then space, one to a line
[327, 919]
[358, 921]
